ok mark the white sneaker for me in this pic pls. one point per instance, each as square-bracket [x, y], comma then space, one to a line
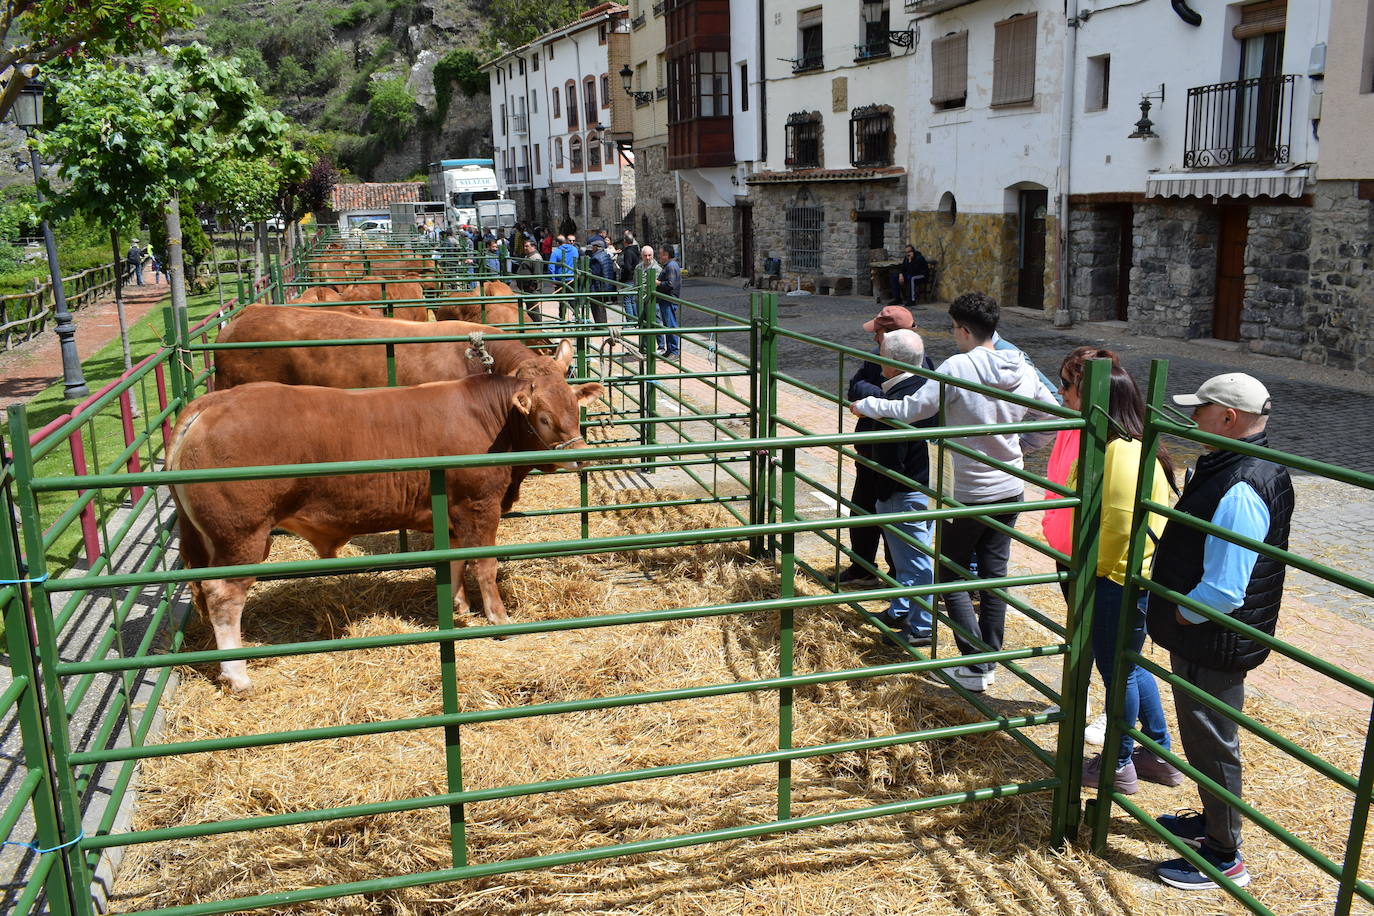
[1096, 731]
[969, 679]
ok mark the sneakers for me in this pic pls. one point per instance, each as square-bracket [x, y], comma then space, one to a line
[1189, 826]
[1096, 730]
[1182, 874]
[1126, 782]
[1150, 767]
[857, 577]
[969, 679]
[916, 638]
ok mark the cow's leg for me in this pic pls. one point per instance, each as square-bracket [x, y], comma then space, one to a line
[476, 526]
[225, 599]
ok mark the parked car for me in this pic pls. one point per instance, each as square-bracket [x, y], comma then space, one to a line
[373, 226]
[276, 223]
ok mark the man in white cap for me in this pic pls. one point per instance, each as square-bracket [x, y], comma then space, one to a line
[1251, 497]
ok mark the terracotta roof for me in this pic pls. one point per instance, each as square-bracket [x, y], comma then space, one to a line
[802, 175]
[375, 195]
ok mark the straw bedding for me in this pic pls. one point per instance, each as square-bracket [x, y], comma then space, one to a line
[980, 858]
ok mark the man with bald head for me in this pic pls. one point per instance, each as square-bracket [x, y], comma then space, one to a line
[1251, 497]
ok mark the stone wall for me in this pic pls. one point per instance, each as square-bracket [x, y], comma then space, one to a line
[1273, 319]
[841, 255]
[1094, 275]
[1339, 305]
[711, 248]
[1174, 275]
[606, 204]
[977, 252]
[655, 213]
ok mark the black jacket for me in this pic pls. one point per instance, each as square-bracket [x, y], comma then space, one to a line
[1178, 562]
[910, 458]
[602, 269]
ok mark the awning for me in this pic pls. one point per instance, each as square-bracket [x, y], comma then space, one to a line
[1255, 183]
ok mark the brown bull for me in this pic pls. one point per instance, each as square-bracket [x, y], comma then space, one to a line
[503, 312]
[362, 366]
[226, 524]
[317, 294]
[380, 289]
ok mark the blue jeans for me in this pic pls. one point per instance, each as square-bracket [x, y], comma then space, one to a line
[136, 270]
[910, 566]
[1142, 694]
[667, 316]
[631, 305]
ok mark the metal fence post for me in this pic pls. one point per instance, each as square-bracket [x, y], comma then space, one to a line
[54, 701]
[448, 669]
[769, 365]
[1087, 523]
[787, 571]
[758, 410]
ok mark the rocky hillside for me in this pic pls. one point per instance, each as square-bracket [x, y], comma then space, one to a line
[381, 80]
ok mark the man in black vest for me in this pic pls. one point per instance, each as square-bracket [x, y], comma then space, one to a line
[1253, 498]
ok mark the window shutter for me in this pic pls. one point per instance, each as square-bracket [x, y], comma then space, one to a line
[1013, 61]
[1261, 18]
[949, 68]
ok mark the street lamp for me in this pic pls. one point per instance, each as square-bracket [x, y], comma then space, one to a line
[626, 77]
[28, 115]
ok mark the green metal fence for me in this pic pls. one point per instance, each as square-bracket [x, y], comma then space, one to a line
[743, 447]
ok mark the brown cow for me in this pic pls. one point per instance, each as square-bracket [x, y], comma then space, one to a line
[355, 366]
[229, 524]
[317, 294]
[380, 289]
[506, 311]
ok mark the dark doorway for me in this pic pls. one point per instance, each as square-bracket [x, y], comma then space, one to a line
[870, 237]
[1125, 254]
[1232, 235]
[1030, 248]
[744, 216]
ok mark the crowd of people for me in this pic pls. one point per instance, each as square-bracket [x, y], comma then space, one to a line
[1237, 492]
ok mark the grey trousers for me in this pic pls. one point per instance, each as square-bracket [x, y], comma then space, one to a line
[1211, 742]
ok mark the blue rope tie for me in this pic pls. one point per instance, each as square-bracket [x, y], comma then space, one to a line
[42, 852]
[33, 581]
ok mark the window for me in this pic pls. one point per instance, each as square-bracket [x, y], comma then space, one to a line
[612, 161]
[558, 152]
[870, 136]
[534, 61]
[701, 213]
[601, 34]
[498, 76]
[641, 73]
[575, 154]
[589, 99]
[1013, 61]
[948, 209]
[571, 89]
[1099, 82]
[1367, 75]
[713, 84]
[949, 71]
[538, 161]
[804, 223]
[577, 206]
[743, 87]
[534, 102]
[803, 132]
[593, 153]
[874, 20]
[605, 90]
[522, 66]
[550, 52]
[809, 45]
[596, 204]
[503, 119]
[555, 97]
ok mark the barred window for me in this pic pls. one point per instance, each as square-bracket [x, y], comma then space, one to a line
[593, 153]
[871, 138]
[571, 89]
[589, 99]
[1013, 61]
[803, 132]
[949, 71]
[805, 224]
[575, 153]
[558, 152]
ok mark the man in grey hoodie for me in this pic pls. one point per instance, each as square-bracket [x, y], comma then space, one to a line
[966, 541]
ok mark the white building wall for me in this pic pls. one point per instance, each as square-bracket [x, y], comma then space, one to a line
[976, 153]
[577, 55]
[1150, 45]
[744, 52]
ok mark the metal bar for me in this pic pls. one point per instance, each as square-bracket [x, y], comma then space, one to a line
[1359, 825]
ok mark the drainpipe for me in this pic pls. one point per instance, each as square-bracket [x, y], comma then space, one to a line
[1063, 318]
[762, 119]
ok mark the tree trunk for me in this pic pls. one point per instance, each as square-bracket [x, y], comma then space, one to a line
[260, 266]
[214, 257]
[176, 264]
[119, 297]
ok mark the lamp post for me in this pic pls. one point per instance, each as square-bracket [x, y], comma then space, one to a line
[28, 115]
[626, 77]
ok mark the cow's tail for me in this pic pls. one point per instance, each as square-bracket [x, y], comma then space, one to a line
[194, 550]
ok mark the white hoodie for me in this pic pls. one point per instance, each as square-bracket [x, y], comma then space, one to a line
[1009, 370]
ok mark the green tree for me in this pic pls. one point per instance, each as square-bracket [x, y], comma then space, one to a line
[512, 23]
[391, 107]
[34, 32]
[292, 79]
[460, 67]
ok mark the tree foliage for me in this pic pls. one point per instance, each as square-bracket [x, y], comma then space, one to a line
[390, 106]
[461, 68]
[34, 32]
[512, 23]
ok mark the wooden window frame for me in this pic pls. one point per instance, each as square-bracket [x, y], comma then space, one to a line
[1013, 60]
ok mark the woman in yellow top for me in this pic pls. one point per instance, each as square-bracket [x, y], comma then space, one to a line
[1127, 410]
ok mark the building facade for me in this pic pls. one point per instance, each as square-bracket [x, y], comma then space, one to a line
[831, 195]
[555, 106]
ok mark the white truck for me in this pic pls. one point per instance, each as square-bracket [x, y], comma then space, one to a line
[461, 184]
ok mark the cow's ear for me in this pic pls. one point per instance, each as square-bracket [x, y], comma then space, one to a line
[564, 354]
[588, 393]
[523, 401]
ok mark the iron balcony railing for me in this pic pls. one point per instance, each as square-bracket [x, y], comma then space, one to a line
[658, 8]
[872, 49]
[808, 62]
[509, 175]
[637, 22]
[519, 124]
[1246, 121]
[522, 174]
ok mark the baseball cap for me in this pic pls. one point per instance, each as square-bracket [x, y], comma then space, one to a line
[891, 318]
[1234, 389]
[597, 243]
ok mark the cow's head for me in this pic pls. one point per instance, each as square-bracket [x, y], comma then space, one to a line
[550, 408]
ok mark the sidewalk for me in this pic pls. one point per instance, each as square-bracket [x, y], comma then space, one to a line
[34, 365]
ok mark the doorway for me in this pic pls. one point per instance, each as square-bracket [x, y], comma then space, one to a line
[1233, 232]
[1030, 248]
[1125, 254]
[744, 214]
[870, 237]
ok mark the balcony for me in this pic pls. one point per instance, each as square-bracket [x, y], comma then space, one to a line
[659, 7]
[1243, 122]
[638, 22]
[808, 62]
[661, 92]
[519, 124]
[872, 50]
[932, 6]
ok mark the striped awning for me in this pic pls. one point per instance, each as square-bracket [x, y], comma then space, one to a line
[1255, 183]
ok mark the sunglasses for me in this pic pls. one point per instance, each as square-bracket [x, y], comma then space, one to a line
[1065, 384]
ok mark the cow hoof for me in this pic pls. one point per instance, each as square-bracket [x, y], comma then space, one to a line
[239, 687]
